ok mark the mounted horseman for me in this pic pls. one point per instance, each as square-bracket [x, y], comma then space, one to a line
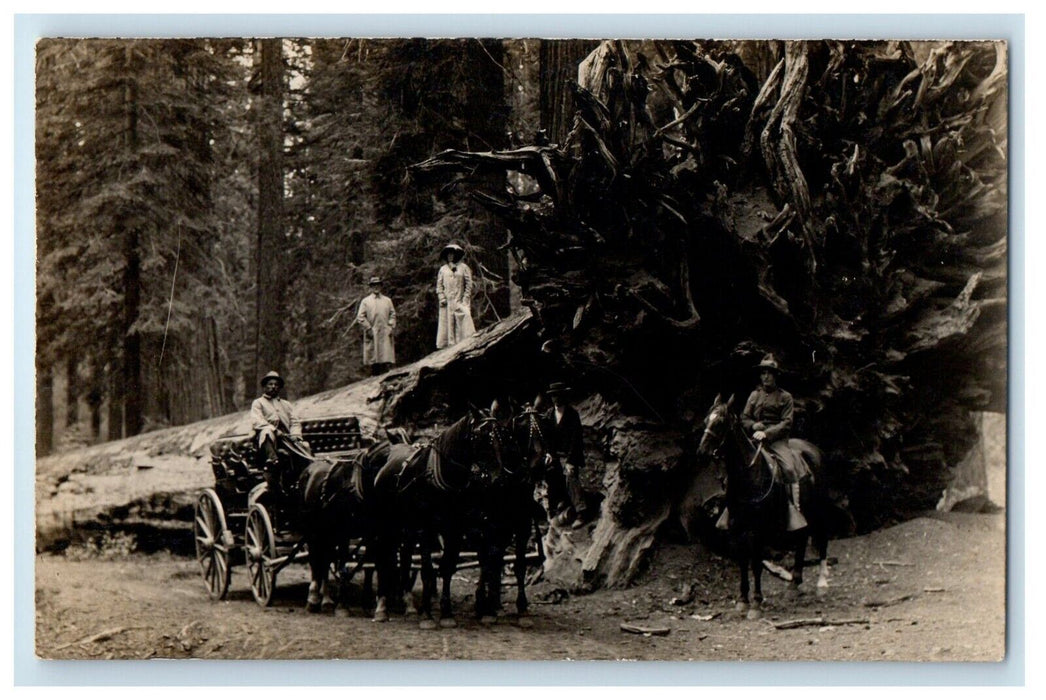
[772, 480]
[767, 418]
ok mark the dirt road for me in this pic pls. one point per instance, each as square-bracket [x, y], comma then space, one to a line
[929, 589]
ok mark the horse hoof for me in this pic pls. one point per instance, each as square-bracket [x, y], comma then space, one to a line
[525, 622]
[447, 622]
[741, 606]
[427, 623]
[381, 616]
[312, 607]
[488, 620]
[822, 590]
[341, 612]
[327, 607]
[754, 614]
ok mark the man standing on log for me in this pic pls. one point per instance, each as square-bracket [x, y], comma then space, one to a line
[568, 455]
[454, 289]
[274, 422]
[768, 419]
[377, 315]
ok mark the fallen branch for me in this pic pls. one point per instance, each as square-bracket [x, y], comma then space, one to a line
[887, 603]
[99, 637]
[777, 570]
[893, 563]
[636, 629]
[817, 622]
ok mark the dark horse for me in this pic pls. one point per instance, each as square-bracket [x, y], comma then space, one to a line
[509, 513]
[757, 503]
[325, 502]
[335, 509]
[425, 493]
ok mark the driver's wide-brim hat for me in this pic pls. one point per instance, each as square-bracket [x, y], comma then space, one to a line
[272, 375]
[453, 246]
[557, 388]
[769, 362]
[374, 280]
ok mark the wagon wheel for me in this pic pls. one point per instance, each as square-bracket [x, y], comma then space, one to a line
[213, 541]
[260, 546]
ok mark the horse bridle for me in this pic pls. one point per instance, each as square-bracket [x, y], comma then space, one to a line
[495, 444]
[719, 439]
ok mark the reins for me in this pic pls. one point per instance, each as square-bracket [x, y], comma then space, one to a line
[758, 449]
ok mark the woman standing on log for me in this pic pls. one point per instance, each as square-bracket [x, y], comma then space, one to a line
[454, 289]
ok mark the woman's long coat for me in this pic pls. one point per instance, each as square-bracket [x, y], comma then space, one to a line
[454, 289]
[378, 317]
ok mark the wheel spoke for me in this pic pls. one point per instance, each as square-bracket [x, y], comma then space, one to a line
[222, 568]
[204, 527]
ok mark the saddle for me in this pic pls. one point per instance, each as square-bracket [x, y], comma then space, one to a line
[786, 461]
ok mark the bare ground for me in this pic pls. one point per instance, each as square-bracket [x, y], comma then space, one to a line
[932, 588]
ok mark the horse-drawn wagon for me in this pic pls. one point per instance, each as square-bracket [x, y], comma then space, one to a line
[233, 524]
[237, 523]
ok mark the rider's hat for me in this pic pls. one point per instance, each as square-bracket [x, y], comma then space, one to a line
[557, 388]
[272, 375]
[374, 280]
[453, 246]
[769, 362]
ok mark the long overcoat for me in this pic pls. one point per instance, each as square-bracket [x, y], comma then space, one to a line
[454, 289]
[377, 316]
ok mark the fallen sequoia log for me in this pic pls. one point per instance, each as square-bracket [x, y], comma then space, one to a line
[156, 473]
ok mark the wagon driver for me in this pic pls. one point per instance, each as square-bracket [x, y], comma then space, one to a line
[377, 316]
[275, 425]
[768, 419]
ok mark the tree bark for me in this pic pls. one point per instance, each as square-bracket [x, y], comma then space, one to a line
[559, 62]
[269, 254]
[44, 410]
[131, 390]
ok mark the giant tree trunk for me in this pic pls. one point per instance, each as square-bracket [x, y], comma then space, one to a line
[559, 62]
[270, 245]
[44, 410]
[131, 389]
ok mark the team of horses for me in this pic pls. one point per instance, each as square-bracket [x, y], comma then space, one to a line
[474, 482]
[477, 478]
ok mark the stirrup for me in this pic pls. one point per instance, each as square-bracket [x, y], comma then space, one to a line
[723, 523]
[796, 521]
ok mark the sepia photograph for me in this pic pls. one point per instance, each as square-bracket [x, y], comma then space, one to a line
[521, 349]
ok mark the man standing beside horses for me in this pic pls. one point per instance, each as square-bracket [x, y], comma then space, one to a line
[567, 454]
[273, 419]
[768, 419]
